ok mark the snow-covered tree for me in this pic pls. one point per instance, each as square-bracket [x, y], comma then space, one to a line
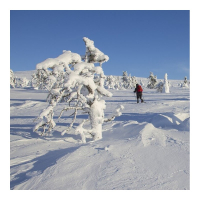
[22, 82]
[185, 82]
[152, 81]
[113, 82]
[80, 86]
[128, 82]
[12, 79]
[141, 83]
[125, 76]
[125, 80]
[165, 85]
[40, 78]
[118, 85]
[133, 82]
[110, 82]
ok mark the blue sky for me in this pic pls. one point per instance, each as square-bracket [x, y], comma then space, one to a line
[136, 41]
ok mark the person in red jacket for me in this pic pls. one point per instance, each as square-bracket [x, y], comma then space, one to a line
[138, 91]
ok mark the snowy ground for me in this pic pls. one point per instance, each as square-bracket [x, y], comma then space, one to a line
[147, 148]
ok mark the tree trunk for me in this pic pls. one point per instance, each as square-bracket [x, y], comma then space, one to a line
[97, 118]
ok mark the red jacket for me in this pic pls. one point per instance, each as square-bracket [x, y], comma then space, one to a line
[138, 88]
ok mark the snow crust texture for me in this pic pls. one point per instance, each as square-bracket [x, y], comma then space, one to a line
[146, 148]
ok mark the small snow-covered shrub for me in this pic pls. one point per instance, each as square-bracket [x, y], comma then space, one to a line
[77, 83]
[40, 78]
[22, 82]
[141, 83]
[185, 83]
[163, 86]
[110, 82]
[12, 79]
[118, 84]
[159, 86]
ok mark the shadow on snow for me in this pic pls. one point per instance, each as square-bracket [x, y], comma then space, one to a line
[40, 164]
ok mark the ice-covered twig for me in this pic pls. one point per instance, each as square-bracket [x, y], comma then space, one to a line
[116, 113]
[81, 131]
[70, 108]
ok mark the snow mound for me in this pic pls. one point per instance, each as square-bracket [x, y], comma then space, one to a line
[185, 125]
[121, 131]
[152, 136]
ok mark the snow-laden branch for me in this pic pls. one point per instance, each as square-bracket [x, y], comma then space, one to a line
[54, 63]
[47, 121]
[104, 92]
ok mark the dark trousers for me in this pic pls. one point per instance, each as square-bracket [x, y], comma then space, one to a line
[139, 96]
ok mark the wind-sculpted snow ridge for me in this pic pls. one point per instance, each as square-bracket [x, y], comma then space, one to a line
[145, 148]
